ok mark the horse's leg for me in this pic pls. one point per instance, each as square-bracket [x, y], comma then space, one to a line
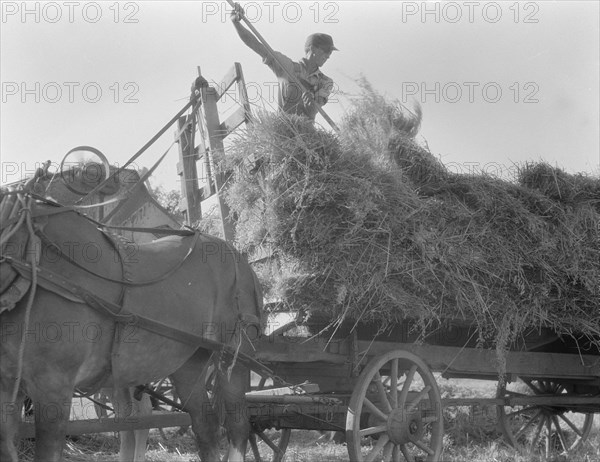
[52, 407]
[9, 426]
[189, 381]
[123, 406]
[133, 442]
[142, 407]
[236, 412]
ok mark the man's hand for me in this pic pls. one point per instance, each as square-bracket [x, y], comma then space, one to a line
[308, 99]
[237, 14]
[198, 84]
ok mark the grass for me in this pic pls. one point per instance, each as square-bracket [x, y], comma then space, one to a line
[311, 446]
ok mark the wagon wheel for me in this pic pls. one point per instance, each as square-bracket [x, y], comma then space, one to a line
[274, 441]
[542, 428]
[397, 403]
[165, 387]
[102, 405]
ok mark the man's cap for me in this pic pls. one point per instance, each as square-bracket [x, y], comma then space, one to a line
[322, 41]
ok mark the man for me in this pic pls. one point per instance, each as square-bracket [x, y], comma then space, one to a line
[315, 86]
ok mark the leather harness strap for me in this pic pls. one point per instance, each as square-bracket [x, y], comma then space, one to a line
[59, 285]
[117, 313]
[125, 282]
[37, 213]
[63, 209]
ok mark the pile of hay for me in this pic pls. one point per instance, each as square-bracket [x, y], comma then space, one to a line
[370, 226]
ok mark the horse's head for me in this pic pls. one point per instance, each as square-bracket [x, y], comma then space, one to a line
[82, 178]
[72, 182]
[81, 171]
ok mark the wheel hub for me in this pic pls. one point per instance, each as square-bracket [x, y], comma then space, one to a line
[405, 426]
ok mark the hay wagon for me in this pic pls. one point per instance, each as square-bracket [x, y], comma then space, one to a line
[382, 385]
[380, 388]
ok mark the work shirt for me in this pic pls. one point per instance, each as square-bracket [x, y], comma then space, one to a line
[290, 96]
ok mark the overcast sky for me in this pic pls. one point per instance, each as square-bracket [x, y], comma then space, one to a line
[499, 82]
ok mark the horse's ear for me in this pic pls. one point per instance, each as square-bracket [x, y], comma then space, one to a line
[113, 185]
[40, 174]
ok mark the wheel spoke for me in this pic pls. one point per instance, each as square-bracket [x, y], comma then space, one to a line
[514, 393]
[415, 402]
[561, 434]
[396, 454]
[535, 389]
[527, 424]
[268, 441]
[406, 387]
[387, 451]
[423, 446]
[571, 424]
[558, 389]
[548, 437]
[394, 383]
[381, 442]
[373, 430]
[254, 446]
[382, 394]
[375, 410]
[545, 386]
[406, 453]
[538, 431]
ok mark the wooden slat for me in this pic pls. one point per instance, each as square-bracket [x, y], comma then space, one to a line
[242, 89]
[329, 377]
[320, 417]
[302, 404]
[82, 427]
[215, 141]
[483, 362]
[233, 121]
[282, 391]
[302, 350]
[288, 399]
[550, 400]
[228, 80]
[189, 175]
[456, 361]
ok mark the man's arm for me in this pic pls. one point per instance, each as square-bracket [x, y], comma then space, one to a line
[320, 97]
[247, 37]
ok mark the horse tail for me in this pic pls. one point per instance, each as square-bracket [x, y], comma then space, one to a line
[230, 385]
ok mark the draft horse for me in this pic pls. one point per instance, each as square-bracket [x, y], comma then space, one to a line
[83, 309]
